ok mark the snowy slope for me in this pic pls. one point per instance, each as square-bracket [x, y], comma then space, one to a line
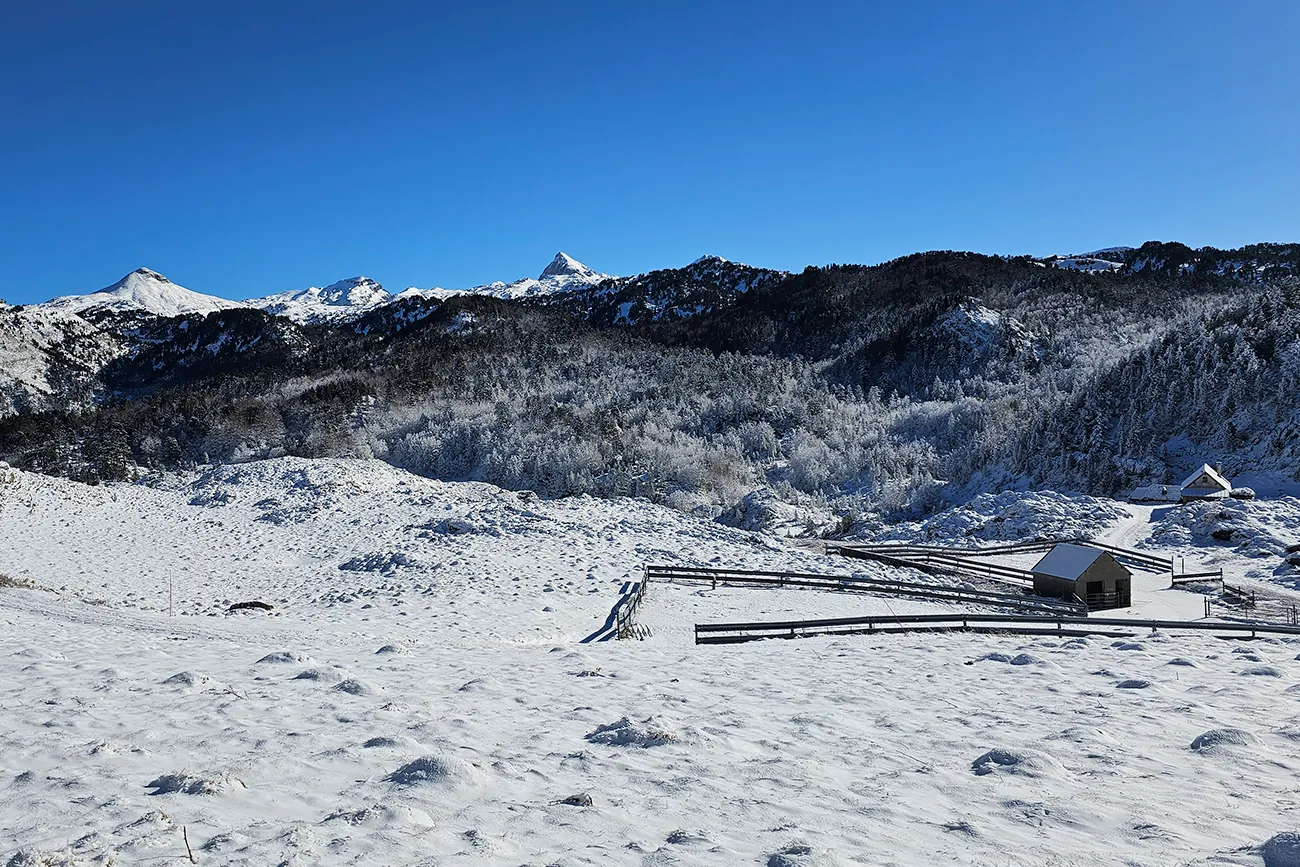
[143, 291]
[48, 356]
[341, 301]
[419, 695]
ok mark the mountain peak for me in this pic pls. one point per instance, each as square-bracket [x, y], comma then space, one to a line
[353, 292]
[144, 290]
[135, 278]
[564, 265]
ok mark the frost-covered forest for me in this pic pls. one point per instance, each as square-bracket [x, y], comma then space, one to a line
[860, 389]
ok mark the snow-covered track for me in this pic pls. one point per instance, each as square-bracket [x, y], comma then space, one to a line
[1114, 627]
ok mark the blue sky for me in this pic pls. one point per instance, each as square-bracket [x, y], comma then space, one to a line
[243, 148]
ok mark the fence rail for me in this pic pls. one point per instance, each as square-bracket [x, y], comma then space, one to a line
[1140, 559]
[1240, 595]
[933, 563]
[624, 617]
[734, 633]
[850, 583]
[621, 620]
[1198, 577]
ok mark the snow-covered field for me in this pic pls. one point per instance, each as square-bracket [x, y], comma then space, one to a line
[419, 696]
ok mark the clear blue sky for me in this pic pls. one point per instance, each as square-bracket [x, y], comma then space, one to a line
[242, 148]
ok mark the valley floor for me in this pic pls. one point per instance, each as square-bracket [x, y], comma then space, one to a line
[419, 696]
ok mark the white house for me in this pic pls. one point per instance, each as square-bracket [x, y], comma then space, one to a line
[1205, 484]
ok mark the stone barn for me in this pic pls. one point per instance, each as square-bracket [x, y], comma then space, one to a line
[1091, 574]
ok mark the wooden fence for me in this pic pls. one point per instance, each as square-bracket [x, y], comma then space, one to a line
[621, 620]
[1114, 627]
[1198, 578]
[937, 563]
[1138, 559]
[850, 583]
[1239, 595]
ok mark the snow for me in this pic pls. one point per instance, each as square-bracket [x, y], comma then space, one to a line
[34, 339]
[1257, 537]
[1012, 516]
[564, 265]
[338, 302]
[1104, 250]
[564, 274]
[1086, 263]
[143, 291]
[443, 711]
[1067, 561]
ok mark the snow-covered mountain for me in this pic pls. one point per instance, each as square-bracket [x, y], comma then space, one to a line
[564, 274]
[341, 301]
[143, 291]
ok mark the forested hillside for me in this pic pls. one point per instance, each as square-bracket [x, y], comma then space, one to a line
[857, 389]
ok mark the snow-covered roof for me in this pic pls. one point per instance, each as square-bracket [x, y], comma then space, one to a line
[1068, 561]
[1207, 470]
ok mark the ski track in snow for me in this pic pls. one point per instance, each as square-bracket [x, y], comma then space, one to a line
[446, 722]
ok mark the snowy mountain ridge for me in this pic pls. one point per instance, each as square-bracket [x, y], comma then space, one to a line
[339, 301]
[564, 274]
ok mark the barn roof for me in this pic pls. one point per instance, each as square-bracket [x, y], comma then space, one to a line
[1068, 561]
[1207, 470]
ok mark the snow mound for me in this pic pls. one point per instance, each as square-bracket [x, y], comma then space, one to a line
[188, 678]
[437, 769]
[352, 686]
[799, 854]
[1253, 528]
[763, 512]
[286, 656]
[1027, 659]
[398, 816]
[625, 733]
[994, 657]
[185, 783]
[1133, 683]
[381, 742]
[1217, 739]
[326, 675]
[1024, 763]
[1015, 515]
[1282, 850]
[1262, 671]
